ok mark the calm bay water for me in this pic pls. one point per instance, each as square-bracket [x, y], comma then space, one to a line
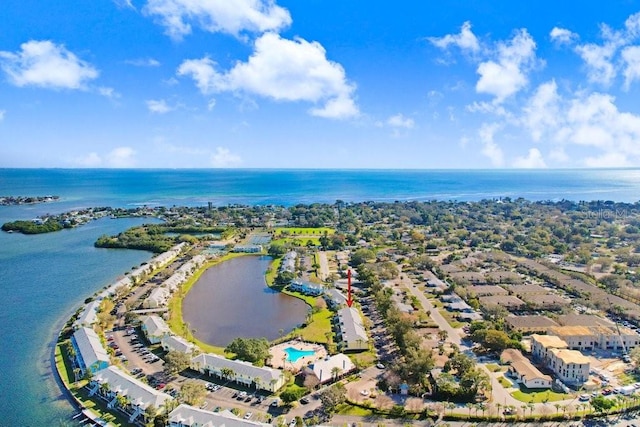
[44, 278]
[232, 300]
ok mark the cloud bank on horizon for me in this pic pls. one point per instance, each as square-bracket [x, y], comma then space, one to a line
[260, 83]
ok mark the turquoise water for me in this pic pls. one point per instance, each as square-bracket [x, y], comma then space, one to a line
[44, 278]
[293, 354]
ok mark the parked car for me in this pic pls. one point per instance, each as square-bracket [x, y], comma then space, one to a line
[248, 415]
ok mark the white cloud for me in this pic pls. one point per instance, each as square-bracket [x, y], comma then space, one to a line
[598, 60]
[143, 62]
[91, 160]
[631, 58]
[542, 111]
[507, 74]
[562, 36]
[533, 160]
[608, 160]
[465, 39]
[232, 17]
[559, 155]
[108, 92]
[224, 158]
[121, 157]
[283, 70]
[45, 64]
[159, 106]
[211, 104]
[2, 113]
[124, 4]
[400, 121]
[601, 60]
[489, 147]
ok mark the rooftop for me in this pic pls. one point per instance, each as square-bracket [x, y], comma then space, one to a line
[549, 341]
[570, 356]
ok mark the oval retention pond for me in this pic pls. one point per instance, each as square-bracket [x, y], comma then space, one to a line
[231, 300]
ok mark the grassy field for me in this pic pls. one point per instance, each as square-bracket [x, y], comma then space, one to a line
[346, 409]
[536, 396]
[504, 382]
[316, 330]
[315, 241]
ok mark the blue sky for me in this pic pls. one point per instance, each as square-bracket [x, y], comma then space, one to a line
[319, 84]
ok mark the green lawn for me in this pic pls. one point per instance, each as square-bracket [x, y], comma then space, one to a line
[317, 329]
[450, 319]
[536, 396]
[346, 409]
[504, 382]
[495, 368]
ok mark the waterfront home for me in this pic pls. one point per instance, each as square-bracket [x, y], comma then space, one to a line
[239, 371]
[335, 299]
[188, 416]
[521, 369]
[157, 298]
[155, 329]
[351, 330]
[331, 368]
[248, 249]
[175, 343]
[288, 262]
[90, 355]
[306, 288]
[88, 316]
[132, 396]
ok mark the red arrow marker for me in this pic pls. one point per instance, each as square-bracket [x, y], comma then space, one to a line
[349, 300]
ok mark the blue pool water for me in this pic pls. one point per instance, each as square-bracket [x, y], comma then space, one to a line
[293, 354]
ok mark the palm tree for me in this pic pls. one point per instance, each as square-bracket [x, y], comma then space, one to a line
[227, 373]
[469, 407]
[498, 406]
[335, 372]
[524, 410]
[531, 407]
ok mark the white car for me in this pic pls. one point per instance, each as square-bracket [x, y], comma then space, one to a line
[248, 415]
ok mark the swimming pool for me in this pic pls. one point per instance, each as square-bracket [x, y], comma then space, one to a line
[293, 354]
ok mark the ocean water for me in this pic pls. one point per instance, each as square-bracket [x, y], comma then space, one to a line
[44, 278]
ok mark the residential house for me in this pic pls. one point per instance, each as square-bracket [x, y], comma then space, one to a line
[133, 396]
[331, 368]
[525, 373]
[530, 324]
[188, 416]
[239, 371]
[90, 355]
[155, 329]
[175, 343]
[306, 288]
[88, 316]
[351, 330]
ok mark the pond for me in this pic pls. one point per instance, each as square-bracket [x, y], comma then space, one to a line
[231, 300]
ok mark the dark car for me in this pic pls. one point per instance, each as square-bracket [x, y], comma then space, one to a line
[304, 400]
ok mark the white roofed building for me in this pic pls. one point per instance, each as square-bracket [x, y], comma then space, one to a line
[88, 316]
[352, 333]
[113, 382]
[239, 371]
[188, 416]
[155, 329]
[332, 367]
[90, 354]
[175, 343]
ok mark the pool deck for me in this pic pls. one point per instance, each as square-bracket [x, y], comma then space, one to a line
[278, 355]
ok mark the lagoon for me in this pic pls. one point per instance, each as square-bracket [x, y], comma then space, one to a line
[232, 299]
